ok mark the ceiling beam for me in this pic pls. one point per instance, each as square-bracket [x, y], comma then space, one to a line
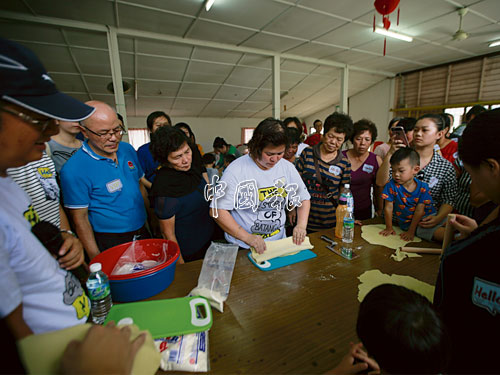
[116, 72]
[75, 62]
[175, 39]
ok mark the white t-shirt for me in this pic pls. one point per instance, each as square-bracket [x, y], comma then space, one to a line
[52, 298]
[256, 198]
[301, 148]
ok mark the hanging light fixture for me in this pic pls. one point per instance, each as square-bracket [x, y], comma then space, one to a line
[393, 34]
[385, 7]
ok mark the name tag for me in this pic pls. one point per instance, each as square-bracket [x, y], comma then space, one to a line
[335, 170]
[486, 295]
[433, 181]
[368, 168]
[114, 186]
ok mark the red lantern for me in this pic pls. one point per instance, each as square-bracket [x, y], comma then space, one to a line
[385, 7]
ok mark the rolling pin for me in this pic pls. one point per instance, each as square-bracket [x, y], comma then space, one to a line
[425, 250]
[448, 232]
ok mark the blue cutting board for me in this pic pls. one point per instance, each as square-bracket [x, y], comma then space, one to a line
[279, 262]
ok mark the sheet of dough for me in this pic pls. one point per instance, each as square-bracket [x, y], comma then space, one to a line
[280, 248]
[372, 278]
[370, 233]
[399, 255]
[41, 354]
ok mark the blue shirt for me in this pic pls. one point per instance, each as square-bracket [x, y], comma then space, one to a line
[405, 202]
[109, 190]
[148, 164]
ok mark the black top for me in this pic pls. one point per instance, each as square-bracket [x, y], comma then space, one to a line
[468, 296]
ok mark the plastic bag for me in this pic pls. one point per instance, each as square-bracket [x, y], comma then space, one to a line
[133, 259]
[216, 273]
[184, 353]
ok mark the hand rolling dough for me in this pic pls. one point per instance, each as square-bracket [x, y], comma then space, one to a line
[280, 248]
[370, 233]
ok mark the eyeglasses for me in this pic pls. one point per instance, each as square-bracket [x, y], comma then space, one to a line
[118, 132]
[30, 120]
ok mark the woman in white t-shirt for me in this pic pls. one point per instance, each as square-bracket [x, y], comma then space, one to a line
[258, 190]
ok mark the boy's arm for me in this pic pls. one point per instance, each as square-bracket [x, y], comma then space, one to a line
[417, 216]
[388, 208]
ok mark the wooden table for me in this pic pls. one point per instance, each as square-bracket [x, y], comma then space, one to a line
[297, 319]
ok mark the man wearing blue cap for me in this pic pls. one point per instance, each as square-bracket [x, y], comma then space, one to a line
[37, 295]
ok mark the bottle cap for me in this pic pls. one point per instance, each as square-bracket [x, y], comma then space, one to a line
[95, 267]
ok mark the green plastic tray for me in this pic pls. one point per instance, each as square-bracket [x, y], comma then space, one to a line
[166, 317]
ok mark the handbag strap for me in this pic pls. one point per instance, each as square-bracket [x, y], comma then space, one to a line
[320, 180]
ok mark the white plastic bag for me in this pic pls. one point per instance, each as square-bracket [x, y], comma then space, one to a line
[184, 353]
[216, 273]
[132, 261]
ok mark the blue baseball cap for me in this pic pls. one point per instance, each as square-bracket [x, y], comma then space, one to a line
[25, 82]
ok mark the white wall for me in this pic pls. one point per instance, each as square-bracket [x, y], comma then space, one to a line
[373, 104]
[207, 128]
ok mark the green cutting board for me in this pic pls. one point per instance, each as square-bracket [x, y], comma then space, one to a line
[166, 317]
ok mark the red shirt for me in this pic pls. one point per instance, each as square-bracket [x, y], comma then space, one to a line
[449, 152]
[314, 139]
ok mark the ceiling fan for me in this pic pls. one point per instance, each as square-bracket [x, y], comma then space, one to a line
[460, 33]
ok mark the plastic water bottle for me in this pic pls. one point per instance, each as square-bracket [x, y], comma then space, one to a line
[348, 234]
[99, 293]
[346, 192]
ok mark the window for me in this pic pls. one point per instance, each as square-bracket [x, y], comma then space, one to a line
[138, 137]
[246, 134]
[458, 116]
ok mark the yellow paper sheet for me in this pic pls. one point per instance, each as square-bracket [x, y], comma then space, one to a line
[280, 248]
[41, 354]
[399, 255]
[372, 278]
[370, 233]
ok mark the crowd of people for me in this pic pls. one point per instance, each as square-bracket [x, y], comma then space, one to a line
[281, 182]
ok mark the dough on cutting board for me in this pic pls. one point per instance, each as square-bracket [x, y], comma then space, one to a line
[280, 248]
[370, 233]
[372, 278]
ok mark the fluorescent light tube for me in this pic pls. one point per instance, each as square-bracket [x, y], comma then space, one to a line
[393, 34]
[495, 43]
[209, 4]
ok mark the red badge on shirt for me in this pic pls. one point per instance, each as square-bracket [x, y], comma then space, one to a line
[131, 165]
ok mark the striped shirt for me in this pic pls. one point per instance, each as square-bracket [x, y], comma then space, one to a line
[38, 180]
[334, 174]
[462, 205]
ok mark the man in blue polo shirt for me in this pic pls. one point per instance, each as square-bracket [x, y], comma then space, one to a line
[101, 187]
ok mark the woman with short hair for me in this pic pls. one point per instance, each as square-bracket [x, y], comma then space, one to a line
[177, 194]
[325, 171]
[259, 188]
[364, 167]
